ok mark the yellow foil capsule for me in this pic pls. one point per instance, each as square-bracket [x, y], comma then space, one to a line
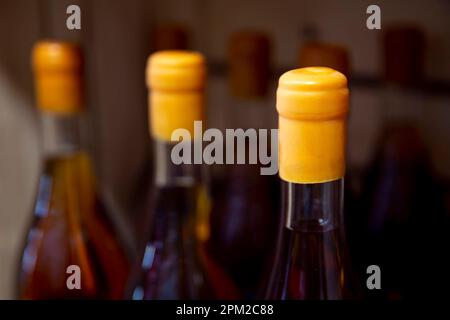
[58, 68]
[312, 104]
[176, 80]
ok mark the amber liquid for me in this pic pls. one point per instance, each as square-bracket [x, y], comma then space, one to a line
[311, 268]
[310, 261]
[70, 227]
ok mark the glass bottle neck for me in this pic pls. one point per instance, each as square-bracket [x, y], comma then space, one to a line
[313, 207]
[169, 174]
[310, 261]
[62, 134]
[256, 112]
[402, 105]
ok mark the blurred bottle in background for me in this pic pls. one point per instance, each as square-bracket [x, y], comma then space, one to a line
[70, 226]
[165, 36]
[402, 203]
[169, 36]
[320, 54]
[311, 259]
[245, 202]
[174, 263]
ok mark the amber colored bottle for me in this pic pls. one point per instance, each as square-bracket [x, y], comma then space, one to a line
[246, 202]
[174, 263]
[402, 202]
[70, 226]
[311, 259]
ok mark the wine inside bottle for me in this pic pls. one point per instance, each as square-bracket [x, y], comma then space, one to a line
[174, 263]
[71, 249]
[311, 260]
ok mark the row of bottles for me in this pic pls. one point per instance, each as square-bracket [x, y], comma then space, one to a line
[181, 258]
[249, 235]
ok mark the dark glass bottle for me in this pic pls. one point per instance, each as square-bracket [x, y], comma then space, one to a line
[402, 201]
[70, 226]
[174, 262]
[243, 198]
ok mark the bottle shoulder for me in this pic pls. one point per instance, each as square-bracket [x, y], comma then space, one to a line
[70, 227]
[174, 263]
[309, 266]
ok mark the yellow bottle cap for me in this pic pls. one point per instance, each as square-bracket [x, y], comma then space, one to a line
[176, 80]
[58, 68]
[325, 55]
[249, 63]
[312, 104]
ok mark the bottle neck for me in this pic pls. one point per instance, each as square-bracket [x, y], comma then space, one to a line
[313, 207]
[62, 134]
[312, 247]
[170, 174]
[402, 105]
[254, 112]
[182, 200]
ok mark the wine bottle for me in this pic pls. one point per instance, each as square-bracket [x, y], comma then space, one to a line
[174, 263]
[321, 54]
[243, 196]
[166, 36]
[71, 249]
[402, 202]
[169, 36]
[310, 260]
